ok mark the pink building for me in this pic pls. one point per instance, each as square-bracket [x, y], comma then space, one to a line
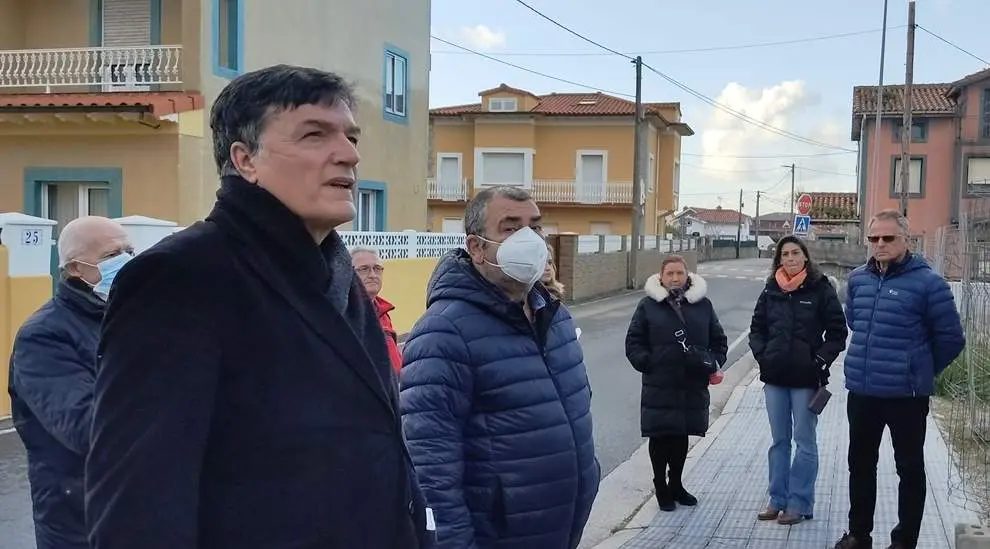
[950, 149]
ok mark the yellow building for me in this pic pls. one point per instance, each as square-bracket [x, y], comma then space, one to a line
[104, 104]
[573, 151]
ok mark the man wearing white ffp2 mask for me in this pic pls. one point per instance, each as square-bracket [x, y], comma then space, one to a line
[456, 401]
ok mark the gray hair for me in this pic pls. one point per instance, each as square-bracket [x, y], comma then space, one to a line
[893, 215]
[241, 110]
[367, 250]
[476, 210]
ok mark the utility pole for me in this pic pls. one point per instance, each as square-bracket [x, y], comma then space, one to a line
[739, 226]
[792, 167]
[758, 193]
[907, 129]
[637, 221]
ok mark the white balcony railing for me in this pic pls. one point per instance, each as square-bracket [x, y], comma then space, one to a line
[456, 191]
[113, 69]
[580, 192]
[545, 190]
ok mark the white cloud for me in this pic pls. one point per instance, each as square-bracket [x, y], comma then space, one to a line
[729, 145]
[481, 37]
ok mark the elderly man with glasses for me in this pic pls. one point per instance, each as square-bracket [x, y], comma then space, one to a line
[905, 332]
[369, 267]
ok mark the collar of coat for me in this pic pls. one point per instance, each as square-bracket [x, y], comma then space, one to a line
[694, 293]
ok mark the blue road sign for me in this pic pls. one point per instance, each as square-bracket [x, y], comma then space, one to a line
[802, 225]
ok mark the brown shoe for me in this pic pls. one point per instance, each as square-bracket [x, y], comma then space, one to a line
[769, 514]
[790, 519]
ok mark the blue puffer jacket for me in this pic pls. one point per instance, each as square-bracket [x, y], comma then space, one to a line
[52, 371]
[497, 416]
[905, 329]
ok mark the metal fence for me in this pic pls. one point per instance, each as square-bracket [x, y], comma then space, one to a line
[962, 406]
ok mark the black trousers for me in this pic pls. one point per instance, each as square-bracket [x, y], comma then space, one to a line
[668, 453]
[907, 420]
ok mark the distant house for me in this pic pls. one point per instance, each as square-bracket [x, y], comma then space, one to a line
[715, 223]
[774, 224]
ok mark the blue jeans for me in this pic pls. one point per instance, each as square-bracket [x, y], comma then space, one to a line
[792, 484]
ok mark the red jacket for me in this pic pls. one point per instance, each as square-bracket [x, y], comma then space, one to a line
[391, 338]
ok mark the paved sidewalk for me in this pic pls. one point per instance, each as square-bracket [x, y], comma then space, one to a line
[727, 471]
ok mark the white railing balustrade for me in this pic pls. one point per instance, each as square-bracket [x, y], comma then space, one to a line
[555, 191]
[581, 192]
[593, 244]
[456, 191]
[405, 244]
[114, 69]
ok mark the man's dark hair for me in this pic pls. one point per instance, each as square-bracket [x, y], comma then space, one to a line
[242, 108]
[476, 210]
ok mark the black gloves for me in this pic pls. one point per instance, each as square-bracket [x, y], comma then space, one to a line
[823, 372]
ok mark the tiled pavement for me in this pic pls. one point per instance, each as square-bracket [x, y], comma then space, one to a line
[728, 472]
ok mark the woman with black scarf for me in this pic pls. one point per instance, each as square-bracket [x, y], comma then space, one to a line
[677, 342]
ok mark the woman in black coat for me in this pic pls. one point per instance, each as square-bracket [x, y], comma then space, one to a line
[798, 330]
[677, 342]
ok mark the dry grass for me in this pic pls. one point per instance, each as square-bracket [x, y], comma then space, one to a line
[969, 453]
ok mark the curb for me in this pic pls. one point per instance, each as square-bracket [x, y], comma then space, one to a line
[625, 503]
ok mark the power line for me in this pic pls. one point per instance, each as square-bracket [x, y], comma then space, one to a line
[769, 156]
[679, 51]
[954, 45]
[696, 94]
[706, 168]
[827, 172]
[531, 71]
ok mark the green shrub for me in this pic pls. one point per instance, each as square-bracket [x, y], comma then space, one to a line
[954, 381]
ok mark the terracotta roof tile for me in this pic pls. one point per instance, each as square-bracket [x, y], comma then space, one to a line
[971, 79]
[833, 205]
[565, 104]
[156, 103]
[718, 216]
[925, 99]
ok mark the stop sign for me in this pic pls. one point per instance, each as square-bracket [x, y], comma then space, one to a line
[804, 204]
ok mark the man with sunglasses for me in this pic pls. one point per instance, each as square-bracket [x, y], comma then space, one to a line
[905, 332]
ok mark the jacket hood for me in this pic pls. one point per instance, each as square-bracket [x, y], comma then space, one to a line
[696, 290]
[455, 278]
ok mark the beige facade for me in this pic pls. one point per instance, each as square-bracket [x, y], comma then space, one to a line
[111, 100]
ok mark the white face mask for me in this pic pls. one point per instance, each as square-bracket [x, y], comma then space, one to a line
[522, 256]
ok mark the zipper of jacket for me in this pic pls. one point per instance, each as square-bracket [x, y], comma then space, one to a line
[869, 336]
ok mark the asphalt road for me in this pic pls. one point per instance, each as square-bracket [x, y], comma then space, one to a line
[733, 287]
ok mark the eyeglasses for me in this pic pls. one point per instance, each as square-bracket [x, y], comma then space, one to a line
[366, 269]
[888, 238]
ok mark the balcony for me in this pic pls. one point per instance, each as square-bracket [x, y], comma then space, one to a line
[123, 69]
[549, 191]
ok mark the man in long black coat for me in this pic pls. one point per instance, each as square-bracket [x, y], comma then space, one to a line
[244, 397]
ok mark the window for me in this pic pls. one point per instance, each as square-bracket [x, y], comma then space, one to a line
[503, 168]
[371, 210]
[985, 115]
[503, 104]
[978, 176]
[919, 131]
[917, 185]
[396, 78]
[63, 202]
[228, 21]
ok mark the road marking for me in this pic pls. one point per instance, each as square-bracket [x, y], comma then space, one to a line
[738, 341]
[7, 431]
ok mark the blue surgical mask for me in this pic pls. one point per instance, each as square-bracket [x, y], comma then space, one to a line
[108, 271]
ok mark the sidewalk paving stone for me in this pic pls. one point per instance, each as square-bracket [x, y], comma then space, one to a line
[729, 476]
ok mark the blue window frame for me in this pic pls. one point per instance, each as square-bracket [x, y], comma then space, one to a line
[228, 38]
[395, 86]
[372, 207]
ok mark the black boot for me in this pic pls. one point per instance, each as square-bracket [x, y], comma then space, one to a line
[664, 498]
[680, 495]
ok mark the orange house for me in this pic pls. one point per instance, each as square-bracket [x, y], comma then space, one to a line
[573, 151]
[950, 149]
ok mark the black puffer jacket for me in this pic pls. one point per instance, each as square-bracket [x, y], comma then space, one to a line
[795, 336]
[675, 397]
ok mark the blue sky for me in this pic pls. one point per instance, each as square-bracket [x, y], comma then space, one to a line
[804, 88]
